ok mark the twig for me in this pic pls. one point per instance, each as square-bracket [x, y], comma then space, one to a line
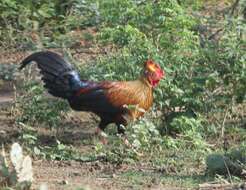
[209, 186]
[223, 123]
[227, 169]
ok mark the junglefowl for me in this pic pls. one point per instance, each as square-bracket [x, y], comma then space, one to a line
[114, 102]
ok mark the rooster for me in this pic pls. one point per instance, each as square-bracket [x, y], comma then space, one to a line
[113, 101]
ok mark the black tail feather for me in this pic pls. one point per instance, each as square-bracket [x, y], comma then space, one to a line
[59, 77]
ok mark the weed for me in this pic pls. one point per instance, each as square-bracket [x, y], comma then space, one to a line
[18, 172]
[35, 107]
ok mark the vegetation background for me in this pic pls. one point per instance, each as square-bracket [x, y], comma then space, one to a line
[196, 130]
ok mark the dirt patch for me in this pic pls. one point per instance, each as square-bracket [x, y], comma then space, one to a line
[6, 98]
[95, 175]
[72, 175]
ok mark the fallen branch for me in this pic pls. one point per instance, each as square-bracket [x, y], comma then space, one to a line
[212, 186]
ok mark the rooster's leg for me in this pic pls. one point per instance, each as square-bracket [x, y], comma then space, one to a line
[121, 132]
[100, 132]
[121, 129]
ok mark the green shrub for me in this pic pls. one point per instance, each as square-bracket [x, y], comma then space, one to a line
[35, 107]
[231, 163]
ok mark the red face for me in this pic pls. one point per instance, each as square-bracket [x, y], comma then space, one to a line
[153, 72]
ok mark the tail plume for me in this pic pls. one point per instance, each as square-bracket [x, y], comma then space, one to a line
[59, 77]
